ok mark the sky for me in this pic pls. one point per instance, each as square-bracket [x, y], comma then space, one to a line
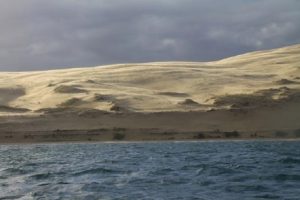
[51, 34]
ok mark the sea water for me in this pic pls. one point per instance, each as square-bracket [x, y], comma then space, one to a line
[154, 170]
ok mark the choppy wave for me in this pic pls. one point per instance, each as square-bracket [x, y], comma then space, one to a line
[163, 170]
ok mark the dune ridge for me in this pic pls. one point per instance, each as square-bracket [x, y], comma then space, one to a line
[245, 83]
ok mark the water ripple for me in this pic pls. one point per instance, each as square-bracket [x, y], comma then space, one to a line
[162, 170]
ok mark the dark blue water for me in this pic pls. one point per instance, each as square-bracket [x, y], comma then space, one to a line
[163, 170]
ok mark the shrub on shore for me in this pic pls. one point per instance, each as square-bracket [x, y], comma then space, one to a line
[231, 134]
[119, 136]
[297, 133]
[199, 136]
[281, 134]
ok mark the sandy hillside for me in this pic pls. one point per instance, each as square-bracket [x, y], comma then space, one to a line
[255, 95]
[251, 80]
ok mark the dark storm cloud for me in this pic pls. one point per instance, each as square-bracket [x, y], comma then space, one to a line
[40, 34]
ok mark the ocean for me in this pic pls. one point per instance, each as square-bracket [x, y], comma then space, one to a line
[208, 170]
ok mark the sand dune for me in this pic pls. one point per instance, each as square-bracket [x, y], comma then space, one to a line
[155, 87]
[244, 83]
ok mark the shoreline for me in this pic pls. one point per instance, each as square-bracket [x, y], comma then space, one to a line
[122, 135]
[155, 141]
[165, 126]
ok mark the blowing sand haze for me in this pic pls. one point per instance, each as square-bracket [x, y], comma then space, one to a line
[250, 95]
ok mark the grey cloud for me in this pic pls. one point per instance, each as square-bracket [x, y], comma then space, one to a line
[41, 34]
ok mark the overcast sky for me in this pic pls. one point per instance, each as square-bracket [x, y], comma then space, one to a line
[49, 34]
